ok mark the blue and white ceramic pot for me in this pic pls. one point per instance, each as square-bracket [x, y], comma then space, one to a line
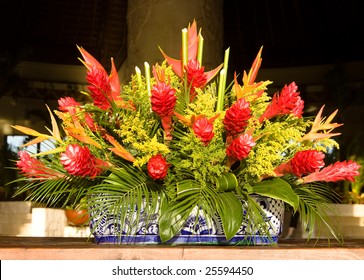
[209, 232]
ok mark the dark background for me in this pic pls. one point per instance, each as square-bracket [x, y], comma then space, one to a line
[293, 32]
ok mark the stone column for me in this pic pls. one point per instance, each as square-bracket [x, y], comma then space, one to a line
[156, 23]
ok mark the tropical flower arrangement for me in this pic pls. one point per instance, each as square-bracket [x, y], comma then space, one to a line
[178, 137]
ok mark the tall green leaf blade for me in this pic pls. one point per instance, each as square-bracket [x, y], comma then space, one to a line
[230, 210]
[173, 217]
[278, 189]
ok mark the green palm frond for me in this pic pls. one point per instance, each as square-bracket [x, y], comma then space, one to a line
[316, 209]
[61, 192]
[255, 219]
[117, 197]
[206, 201]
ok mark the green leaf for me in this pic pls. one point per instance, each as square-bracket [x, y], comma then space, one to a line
[316, 209]
[120, 194]
[173, 216]
[227, 182]
[230, 210]
[187, 188]
[279, 189]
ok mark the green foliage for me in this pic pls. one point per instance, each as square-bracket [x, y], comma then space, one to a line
[279, 189]
[189, 154]
[316, 210]
[56, 193]
[229, 209]
[205, 200]
[120, 193]
[278, 142]
[204, 103]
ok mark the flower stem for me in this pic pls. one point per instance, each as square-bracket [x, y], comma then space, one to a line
[226, 59]
[139, 75]
[147, 77]
[221, 91]
[184, 47]
[222, 82]
[200, 49]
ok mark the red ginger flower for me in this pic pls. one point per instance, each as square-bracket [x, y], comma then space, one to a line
[90, 122]
[303, 162]
[192, 64]
[195, 74]
[306, 162]
[157, 167]
[79, 161]
[33, 168]
[163, 100]
[100, 88]
[68, 105]
[203, 129]
[104, 89]
[236, 117]
[339, 171]
[240, 147]
[288, 102]
[196, 77]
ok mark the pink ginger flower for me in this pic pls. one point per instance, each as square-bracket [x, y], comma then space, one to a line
[288, 102]
[339, 171]
[203, 129]
[79, 161]
[33, 168]
[157, 167]
[240, 147]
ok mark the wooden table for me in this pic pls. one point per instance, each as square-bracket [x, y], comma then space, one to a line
[53, 248]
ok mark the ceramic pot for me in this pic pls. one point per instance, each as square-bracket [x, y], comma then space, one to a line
[77, 217]
[106, 231]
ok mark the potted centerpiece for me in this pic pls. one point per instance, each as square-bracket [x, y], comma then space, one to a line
[181, 155]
